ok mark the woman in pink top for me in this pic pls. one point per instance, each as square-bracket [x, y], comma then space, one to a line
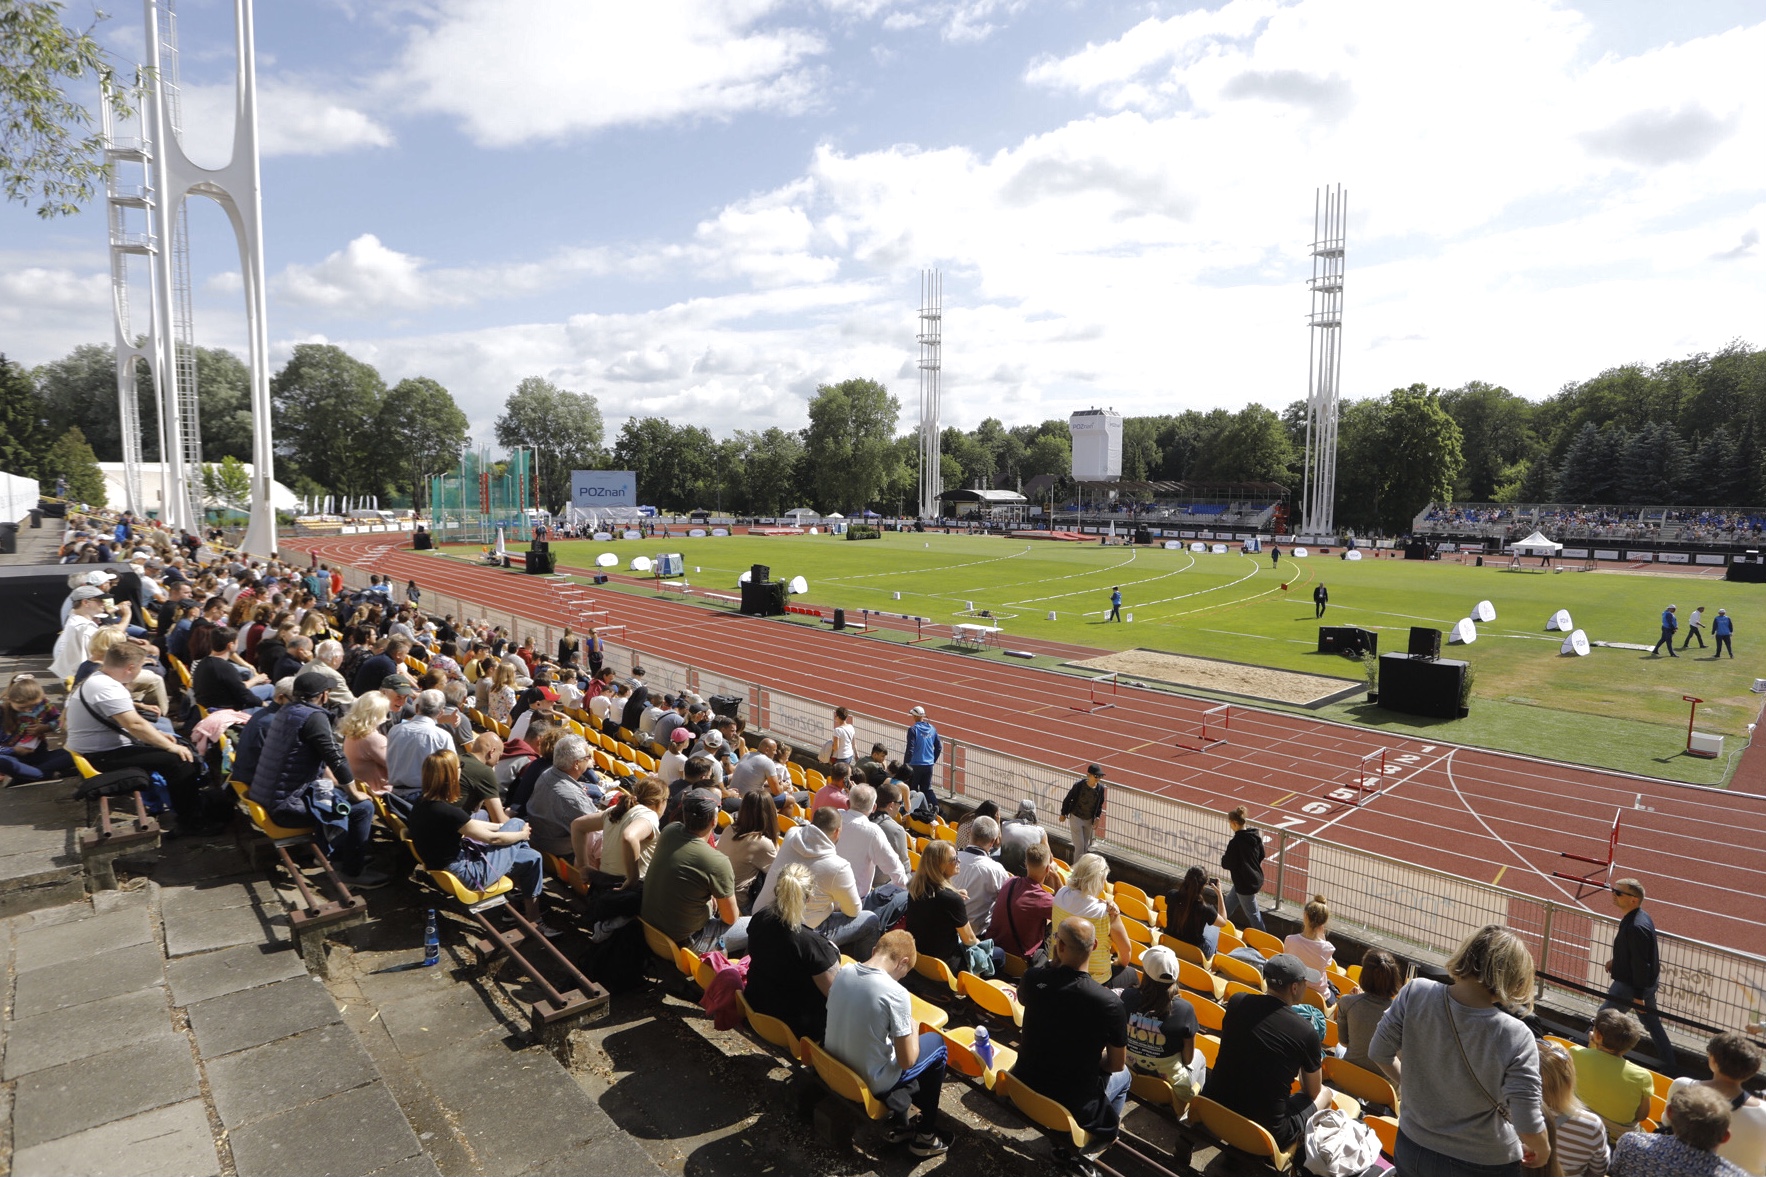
[1310, 945]
[364, 745]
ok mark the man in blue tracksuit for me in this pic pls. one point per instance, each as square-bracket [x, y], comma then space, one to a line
[1670, 623]
[1723, 629]
[923, 750]
[1115, 605]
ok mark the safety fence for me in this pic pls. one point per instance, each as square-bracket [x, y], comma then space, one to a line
[1416, 911]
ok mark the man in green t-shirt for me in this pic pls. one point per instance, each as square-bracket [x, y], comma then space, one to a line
[688, 878]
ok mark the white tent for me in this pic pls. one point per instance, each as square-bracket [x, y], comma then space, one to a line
[802, 513]
[1536, 545]
[835, 515]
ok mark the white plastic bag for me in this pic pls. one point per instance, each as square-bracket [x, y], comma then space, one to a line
[1338, 1145]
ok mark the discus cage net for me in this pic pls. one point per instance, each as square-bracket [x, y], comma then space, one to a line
[470, 502]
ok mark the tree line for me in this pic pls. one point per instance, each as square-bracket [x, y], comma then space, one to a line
[1679, 432]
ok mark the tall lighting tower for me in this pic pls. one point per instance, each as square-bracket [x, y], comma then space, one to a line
[168, 179]
[931, 341]
[1319, 493]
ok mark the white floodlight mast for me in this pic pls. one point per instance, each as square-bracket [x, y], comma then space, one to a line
[931, 338]
[1325, 325]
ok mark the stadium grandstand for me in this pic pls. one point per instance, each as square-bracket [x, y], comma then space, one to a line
[1708, 527]
[1259, 506]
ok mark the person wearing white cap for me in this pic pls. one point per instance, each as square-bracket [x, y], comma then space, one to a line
[1670, 623]
[923, 750]
[1162, 1025]
[79, 580]
[82, 623]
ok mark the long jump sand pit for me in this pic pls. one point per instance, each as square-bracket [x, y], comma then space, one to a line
[1229, 678]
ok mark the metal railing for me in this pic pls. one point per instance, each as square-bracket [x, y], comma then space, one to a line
[1422, 912]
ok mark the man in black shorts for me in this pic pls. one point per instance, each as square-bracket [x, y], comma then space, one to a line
[1263, 1046]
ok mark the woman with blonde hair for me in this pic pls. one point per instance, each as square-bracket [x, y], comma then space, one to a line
[790, 967]
[467, 846]
[149, 687]
[1087, 896]
[937, 916]
[502, 692]
[364, 744]
[628, 828]
[1472, 1102]
[27, 720]
[1579, 1139]
[1314, 951]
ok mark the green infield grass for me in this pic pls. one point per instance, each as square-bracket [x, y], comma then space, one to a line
[1615, 708]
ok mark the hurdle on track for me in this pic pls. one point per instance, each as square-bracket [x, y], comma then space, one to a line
[1096, 705]
[1370, 774]
[1216, 728]
[1603, 867]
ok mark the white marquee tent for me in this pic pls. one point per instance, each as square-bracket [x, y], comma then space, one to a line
[1536, 545]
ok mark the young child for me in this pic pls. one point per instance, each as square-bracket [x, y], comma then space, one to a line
[27, 719]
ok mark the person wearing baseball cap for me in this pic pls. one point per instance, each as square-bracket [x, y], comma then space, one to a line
[87, 606]
[689, 879]
[1161, 1024]
[545, 705]
[673, 765]
[1083, 807]
[923, 750]
[1264, 1046]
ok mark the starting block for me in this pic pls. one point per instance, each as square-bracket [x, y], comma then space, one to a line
[1215, 728]
[1602, 876]
[1096, 705]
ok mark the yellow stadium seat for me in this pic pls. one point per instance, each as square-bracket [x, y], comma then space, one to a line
[1210, 1015]
[1234, 988]
[1185, 950]
[1157, 1091]
[1133, 908]
[1236, 1132]
[946, 834]
[1192, 976]
[1016, 966]
[1137, 931]
[1133, 892]
[83, 766]
[565, 872]
[770, 1029]
[1209, 1045]
[926, 1014]
[1042, 1111]
[1228, 943]
[1386, 1128]
[1363, 1084]
[959, 1044]
[842, 1080]
[451, 885]
[994, 997]
[1237, 970]
[260, 817]
[935, 970]
[1262, 941]
[660, 943]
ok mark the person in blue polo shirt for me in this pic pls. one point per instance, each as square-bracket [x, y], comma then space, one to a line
[1670, 623]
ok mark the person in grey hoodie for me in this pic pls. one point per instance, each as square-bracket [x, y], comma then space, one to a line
[833, 907]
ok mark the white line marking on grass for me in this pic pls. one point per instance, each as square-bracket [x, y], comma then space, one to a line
[1200, 592]
[922, 571]
[1089, 591]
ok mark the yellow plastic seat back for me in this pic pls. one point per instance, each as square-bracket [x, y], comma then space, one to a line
[1235, 1131]
[451, 884]
[260, 817]
[936, 970]
[660, 943]
[769, 1028]
[1359, 1082]
[1042, 1111]
[843, 1081]
[1262, 941]
[1237, 970]
[995, 997]
[83, 766]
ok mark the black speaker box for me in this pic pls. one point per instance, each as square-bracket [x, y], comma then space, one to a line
[422, 542]
[598, 578]
[541, 563]
[1347, 639]
[760, 573]
[839, 619]
[727, 706]
[539, 545]
[1425, 642]
[763, 599]
[1418, 686]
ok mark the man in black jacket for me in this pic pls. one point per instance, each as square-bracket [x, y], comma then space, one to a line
[1636, 969]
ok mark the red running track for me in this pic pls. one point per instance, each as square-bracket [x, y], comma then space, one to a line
[1487, 816]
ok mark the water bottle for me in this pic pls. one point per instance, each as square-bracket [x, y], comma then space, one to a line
[983, 1046]
[431, 941]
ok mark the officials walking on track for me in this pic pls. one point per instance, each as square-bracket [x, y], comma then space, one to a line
[1115, 604]
[1722, 629]
[923, 750]
[1083, 807]
[1636, 969]
[1670, 623]
[1320, 598]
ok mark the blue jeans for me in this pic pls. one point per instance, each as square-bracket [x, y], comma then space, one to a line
[350, 850]
[920, 781]
[1116, 1089]
[44, 763]
[1210, 941]
[1241, 909]
[1416, 1161]
[889, 902]
[855, 935]
[519, 861]
[1623, 996]
[920, 1084]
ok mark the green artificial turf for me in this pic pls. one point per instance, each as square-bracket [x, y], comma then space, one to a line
[1614, 708]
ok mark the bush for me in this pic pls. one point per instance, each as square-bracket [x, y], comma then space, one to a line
[863, 531]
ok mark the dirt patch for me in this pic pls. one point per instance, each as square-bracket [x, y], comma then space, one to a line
[1231, 678]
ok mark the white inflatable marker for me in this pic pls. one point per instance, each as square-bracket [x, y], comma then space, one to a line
[1484, 612]
[1576, 643]
[1559, 620]
[1464, 633]
[606, 560]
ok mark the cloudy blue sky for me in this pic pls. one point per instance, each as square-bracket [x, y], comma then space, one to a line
[704, 208]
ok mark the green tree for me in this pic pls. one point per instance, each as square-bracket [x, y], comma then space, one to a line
[848, 443]
[1496, 428]
[1252, 446]
[223, 389]
[424, 431]
[81, 389]
[770, 460]
[23, 421]
[327, 408]
[227, 483]
[564, 427]
[71, 458]
[1140, 448]
[48, 154]
[1049, 453]
[647, 446]
[964, 460]
[1422, 455]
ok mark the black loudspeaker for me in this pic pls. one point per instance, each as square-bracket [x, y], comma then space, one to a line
[422, 542]
[541, 563]
[598, 578]
[1418, 686]
[539, 545]
[1347, 639]
[760, 573]
[839, 619]
[1142, 535]
[726, 706]
[763, 600]
[1425, 642]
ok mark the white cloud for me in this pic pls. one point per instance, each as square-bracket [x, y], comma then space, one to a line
[519, 71]
[295, 117]
[367, 277]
